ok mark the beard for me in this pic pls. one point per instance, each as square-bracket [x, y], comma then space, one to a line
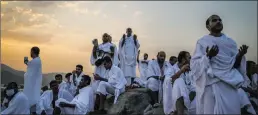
[161, 60]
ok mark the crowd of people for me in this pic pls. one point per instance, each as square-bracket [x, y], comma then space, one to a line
[215, 79]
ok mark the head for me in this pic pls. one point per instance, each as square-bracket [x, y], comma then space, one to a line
[79, 69]
[214, 24]
[184, 57]
[161, 57]
[172, 60]
[34, 52]
[11, 89]
[145, 56]
[54, 86]
[67, 76]
[250, 68]
[45, 88]
[59, 78]
[85, 81]
[129, 31]
[107, 62]
[105, 38]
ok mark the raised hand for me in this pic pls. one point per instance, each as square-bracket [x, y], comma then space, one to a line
[139, 51]
[185, 68]
[135, 38]
[213, 51]
[74, 71]
[124, 36]
[243, 50]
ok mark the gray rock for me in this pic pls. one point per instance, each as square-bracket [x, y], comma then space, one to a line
[134, 101]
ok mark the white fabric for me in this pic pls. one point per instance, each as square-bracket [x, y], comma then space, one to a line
[18, 105]
[83, 101]
[128, 56]
[33, 81]
[77, 79]
[115, 78]
[154, 70]
[68, 86]
[216, 80]
[62, 86]
[106, 48]
[143, 69]
[106, 88]
[245, 101]
[46, 99]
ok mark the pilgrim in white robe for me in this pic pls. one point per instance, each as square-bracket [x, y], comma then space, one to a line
[128, 57]
[46, 99]
[77, 82]
[115, 85]
[216, 80]
[244, 101]
[18, 105]
[83, 101]
[65, 85]
[100, 70]
[182, 88]
[143, 69]
[33, 81]
[254, 83]
[154, 84]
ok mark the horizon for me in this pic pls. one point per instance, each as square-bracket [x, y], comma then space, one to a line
[63, 30]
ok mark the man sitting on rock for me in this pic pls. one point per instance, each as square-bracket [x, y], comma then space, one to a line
[112, 83]
[157, 71]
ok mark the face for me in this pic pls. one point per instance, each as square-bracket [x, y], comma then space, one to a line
[105, 38]
[11, 89]
[54, 87]
[59, 79]
[173, 61]
[78, 70]
[83, 83]
[188, 58]
[129, 31]
[145, 57]
[161, 57]
[107, 65]
[215, 24]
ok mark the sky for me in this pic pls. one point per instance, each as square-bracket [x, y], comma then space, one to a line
[63, 30]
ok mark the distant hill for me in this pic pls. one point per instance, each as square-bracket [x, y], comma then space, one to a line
[9, 74]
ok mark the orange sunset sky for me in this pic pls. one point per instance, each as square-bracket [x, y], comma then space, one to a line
[64, 30]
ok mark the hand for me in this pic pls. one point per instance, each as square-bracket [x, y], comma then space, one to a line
[243, 50]
[43, 112]
[62, 104]
[213, 51]
[96, 77]
[139, 51]
[185, 68]
[74, 71]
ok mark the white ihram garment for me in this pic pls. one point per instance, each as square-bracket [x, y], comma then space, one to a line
[83, 102]
[128, 57]
[18, 105]
[216, 80]
[33, 81]
[46, 99]
[116, 81]
[143, 69]
[154, 70]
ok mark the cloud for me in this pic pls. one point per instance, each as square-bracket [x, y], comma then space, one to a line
[26, 36]
[137, 13]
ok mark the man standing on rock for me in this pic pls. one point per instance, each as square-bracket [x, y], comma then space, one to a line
[33, 78]
[128, 49]
[216, 65]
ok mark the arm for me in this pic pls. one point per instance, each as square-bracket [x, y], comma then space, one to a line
[112, 49]
[238, 61]
[176, 75]
[94, 52]
[138, 56]
[69, 105]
